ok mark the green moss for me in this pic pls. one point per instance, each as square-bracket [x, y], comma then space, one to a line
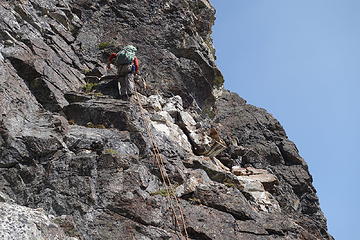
[219, 79]
[229, 184]
[36, 83]
[195, 200]
[85, 71]
[91, 125]
[163, 192]
[209, 112]
[89, 87]
[169, 191]
[104, 45]
[111, 151]
[97, 94]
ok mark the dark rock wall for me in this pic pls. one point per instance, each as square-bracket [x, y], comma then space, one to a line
[88, 159]
[266, 146]
[173, 37]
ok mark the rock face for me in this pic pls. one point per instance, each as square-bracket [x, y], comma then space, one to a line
[183, 159]
[23, 223]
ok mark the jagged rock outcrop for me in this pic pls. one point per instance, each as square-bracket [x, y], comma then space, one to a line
[182, 158]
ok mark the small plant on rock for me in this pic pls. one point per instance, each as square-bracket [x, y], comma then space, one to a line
[208, 112]
[86, 71]
[96, 94]
[111, 151]
[89, 87]
[195, 200]
[91, 125]
[162, 192]
[104, 45]
[229, 184]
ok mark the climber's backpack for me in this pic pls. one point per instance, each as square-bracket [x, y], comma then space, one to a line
[126, 55]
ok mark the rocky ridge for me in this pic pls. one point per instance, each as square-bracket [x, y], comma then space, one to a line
[77, 163]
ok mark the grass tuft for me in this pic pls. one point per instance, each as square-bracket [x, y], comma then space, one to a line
[195, 200]
[104, 45]
[229, 184]
[91, 125]
[165, 192]
[111, 151]
[89, 87]
[86, 71]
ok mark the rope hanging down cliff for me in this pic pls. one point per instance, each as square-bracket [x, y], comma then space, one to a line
[165, 178]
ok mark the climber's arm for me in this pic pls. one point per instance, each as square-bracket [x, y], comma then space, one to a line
[136, 63]
[112, 56]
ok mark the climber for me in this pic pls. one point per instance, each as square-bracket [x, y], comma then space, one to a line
[218, 145]
[127, 67]
[214, 134]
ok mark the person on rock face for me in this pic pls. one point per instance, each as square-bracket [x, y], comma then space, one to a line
[127, 67]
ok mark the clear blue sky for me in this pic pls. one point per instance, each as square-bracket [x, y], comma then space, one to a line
[300, 60]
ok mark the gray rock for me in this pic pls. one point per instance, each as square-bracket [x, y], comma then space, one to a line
[199, 226]
[5, 198]
[155, 102]
[162, 117]
[265, 146]
[19, 222]
[174, 105]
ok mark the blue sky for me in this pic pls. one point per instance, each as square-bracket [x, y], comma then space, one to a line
[300, 60]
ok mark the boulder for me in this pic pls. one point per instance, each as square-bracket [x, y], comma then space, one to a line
[155, 102]
[24, 223]
[162, 116]
[173, 105]
[254, 186]
[261, 175]
[195, 179]
[166, 132]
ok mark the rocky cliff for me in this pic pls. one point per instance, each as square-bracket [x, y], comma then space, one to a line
[183, 159]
